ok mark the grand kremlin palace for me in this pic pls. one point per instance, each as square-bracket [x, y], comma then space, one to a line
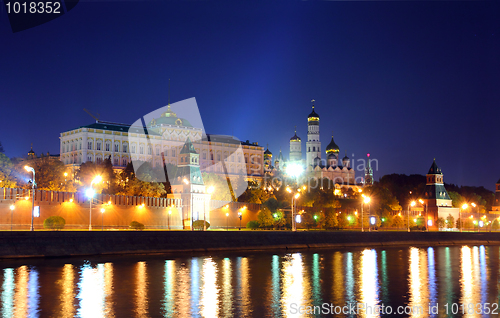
[166, 137]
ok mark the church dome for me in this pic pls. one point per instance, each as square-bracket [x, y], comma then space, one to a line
[313, 114]
[295, 138]
[267, 152]
[332, 147]
[170, 118]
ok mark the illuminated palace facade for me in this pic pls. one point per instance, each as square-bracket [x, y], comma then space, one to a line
[166, 137]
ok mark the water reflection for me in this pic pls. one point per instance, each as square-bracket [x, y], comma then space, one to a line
[8, 288]
[141, 289]
[369, 284]
[92, 296]
[259, 285]
[210, 291]
[294, 289]
[67, 297]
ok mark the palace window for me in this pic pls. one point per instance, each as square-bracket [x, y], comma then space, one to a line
[133, 148]
[108, 146]
[141, 150]
[173, 152]
[89, 158]
[98, 146]
[157, 151]
[125, 148]
[89, 145]
[218, 157]
[150, 151]
[124, 162]
[116, 161]
[314, 148]
[117, 147]
[204, 155]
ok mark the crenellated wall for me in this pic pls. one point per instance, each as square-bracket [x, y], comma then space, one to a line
[119, 211]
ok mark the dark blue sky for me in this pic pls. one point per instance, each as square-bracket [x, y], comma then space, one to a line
[404, 81]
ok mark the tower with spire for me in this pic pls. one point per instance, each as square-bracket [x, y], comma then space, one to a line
[313, 145]
[268, 159]
[368, 171]
[496, 204]
[189, 186]
[295, 148]
[436, 197]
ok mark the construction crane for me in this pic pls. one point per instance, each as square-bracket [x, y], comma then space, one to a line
[91, 115]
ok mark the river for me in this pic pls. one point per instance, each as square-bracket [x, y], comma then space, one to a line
[392, 282]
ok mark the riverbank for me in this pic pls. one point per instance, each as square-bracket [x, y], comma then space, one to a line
[81, 243]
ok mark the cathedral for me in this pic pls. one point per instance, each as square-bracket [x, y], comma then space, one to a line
[331, 166]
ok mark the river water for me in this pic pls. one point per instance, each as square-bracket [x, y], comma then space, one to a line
[423, 282]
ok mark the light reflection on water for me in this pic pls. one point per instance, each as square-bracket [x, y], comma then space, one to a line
[262, 284]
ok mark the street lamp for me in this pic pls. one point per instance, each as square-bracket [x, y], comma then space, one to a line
[12, 207]
[464, 207]
[365, 200]
[90, 193]
[240, 215]
[426, 214]
[210, 190]
[102, 216]
[412, 204]
[294, 170]
[474, 205]
[30, 169]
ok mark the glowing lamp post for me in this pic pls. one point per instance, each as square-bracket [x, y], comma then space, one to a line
[426, 214]
[366, 200]
[474, 205]
[12, 207]
[412, 204]
[90, 193]
[30, 169]
[294, 170]
[464, 207]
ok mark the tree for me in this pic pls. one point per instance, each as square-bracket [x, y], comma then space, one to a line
[222, 191]
[440, 223]
[54, 223]
[278, 219]
[495, 225]
[331, 220]
[49, 174]
[397, 221]
[343, 222]
[6, 175]
[265, 217]
[134, 225]
[450, 221]
[198, 225]
[253, 225]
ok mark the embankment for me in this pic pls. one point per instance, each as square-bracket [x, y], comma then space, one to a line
[79, 243]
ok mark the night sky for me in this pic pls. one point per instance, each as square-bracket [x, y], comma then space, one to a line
[404, 81]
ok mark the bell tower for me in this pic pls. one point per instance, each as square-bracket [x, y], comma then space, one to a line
[313, 145]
